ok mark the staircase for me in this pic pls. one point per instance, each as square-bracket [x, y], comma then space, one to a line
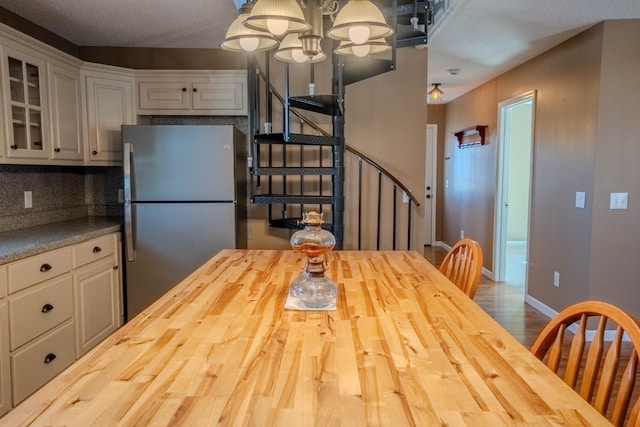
[294, 172]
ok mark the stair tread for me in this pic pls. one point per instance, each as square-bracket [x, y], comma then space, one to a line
[296, 138]
[305, 170]
[291, 199]
[325, 104]
[294, 223]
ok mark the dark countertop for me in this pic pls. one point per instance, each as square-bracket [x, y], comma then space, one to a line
[26, 242]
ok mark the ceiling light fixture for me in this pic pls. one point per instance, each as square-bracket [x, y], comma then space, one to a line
[278, 17]
[436, 93]
[242, 39]
[360, 26]
[358, 22]
[371, 47]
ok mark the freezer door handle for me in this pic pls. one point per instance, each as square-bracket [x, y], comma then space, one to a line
[128, 217]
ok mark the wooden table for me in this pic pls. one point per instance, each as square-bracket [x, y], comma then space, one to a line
[404, 347]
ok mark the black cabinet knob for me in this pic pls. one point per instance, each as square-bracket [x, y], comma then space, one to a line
[46, 308]
[49, 358]
[97, 249]
[14, 147]
[94, 152]
[428, 196]
[57, 150]
[45, 267]
[184, 89]
[115, 267]
[195, 89]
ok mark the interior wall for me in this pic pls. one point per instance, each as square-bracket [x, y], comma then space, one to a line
[566, 79]
[386, 119]
[469, 174]
[613, 271]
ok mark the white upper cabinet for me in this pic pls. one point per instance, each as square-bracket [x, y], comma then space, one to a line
[25, 98]
[213, 92]
[108, 104]
[65, 113]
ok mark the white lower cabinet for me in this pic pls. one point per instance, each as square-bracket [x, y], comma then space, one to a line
[97, 300]
[60, 304]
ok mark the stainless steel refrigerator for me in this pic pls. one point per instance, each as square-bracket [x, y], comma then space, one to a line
[185, 200]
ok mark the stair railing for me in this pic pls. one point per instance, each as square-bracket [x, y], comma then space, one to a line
[407, 196]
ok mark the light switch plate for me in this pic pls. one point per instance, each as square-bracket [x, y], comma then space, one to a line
[618, 201]
[580, 199]
[28, 200]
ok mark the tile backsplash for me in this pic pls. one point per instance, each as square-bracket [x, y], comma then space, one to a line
[59, 193]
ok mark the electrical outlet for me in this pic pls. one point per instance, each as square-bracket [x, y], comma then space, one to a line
[618, 200]
[556, 279]
[405, 197]
[462, 234]
[28, 200]
[580, 199]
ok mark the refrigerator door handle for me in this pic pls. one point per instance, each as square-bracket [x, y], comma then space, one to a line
[128, 217]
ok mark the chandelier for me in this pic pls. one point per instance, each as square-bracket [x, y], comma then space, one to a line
[295, 28]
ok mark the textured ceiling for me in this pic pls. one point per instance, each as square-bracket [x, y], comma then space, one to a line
[482, 38]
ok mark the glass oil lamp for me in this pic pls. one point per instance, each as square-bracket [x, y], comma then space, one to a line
[312, 287]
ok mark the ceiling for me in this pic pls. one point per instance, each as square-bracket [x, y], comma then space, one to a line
[481, 38]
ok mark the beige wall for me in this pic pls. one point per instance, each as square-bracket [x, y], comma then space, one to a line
[386, 119]
[613, 271]
[468, 176]
[585, 140]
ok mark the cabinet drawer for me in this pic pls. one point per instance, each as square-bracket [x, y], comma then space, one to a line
[3, 282]
[30, 271]
[34, 311]
[94, 249]
[40, 361]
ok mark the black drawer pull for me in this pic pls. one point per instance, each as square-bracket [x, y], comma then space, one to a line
[57, 150]
[46, 308]
[97, 249]
[45, 267]
[49, 358]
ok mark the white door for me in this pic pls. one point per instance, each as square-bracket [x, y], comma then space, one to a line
[514, 189]
[430, 169]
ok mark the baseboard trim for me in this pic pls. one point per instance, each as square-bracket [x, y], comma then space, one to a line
[540, 306]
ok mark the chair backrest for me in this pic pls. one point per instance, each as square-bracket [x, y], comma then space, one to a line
[463, 265]
[599, 368]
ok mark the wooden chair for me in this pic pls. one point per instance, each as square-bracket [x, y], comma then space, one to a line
[463, 265]
[600, 374]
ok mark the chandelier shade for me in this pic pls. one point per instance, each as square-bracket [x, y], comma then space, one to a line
[291, 51]
[358, 22]
[371, 47]
[278, 17]
[242, 39]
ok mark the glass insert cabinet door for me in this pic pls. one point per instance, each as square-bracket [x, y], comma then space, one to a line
[26, 130]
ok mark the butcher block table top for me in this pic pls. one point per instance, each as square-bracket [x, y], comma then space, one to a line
[403, 347]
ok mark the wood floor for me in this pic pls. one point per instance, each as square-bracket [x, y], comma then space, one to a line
[504, 303]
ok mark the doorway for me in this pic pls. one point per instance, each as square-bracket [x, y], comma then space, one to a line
[430, 170]
[515, 154]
